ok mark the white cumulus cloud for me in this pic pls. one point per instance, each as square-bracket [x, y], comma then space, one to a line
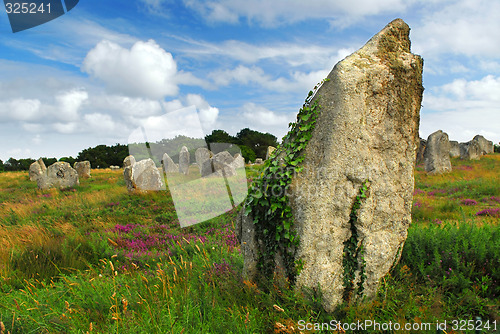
[144, 70]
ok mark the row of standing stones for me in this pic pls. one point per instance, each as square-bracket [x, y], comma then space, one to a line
[58, 175]
[436, 151]
[144, 175]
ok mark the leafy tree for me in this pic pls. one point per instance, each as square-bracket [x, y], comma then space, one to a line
[11, 164]
[257, 141]
[49, 161]
[1, 166]
[220, 136]
[247, 153]
[69, 160]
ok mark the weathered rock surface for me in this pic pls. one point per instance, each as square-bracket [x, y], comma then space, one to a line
[454, 149]
[221, 164]
[470, 150]
[37, 169]
[485, 144]
[128, 161]
[58, 175]
[420, 151]
[83, 169]
[270, 150]
[201, 155]
[366, 133]
[259, 161]
[143, 176]
[238, 162]
[437, 153]
[168, 164]
[184, 160]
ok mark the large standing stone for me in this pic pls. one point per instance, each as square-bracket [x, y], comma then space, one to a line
[485, 144]
[83, 169]
[58, 175]
[366, 133]
[184, 160]
[201, 155]
[168, 164]
[437, 153]
[420, 151]
[454, 149]
[37, 169]
[143, 176]
[470, 150]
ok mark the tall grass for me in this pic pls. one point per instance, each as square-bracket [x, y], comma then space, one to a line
[97, 259]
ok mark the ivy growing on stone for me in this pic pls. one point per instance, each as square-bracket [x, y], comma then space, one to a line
[268, 203]
[353, 259]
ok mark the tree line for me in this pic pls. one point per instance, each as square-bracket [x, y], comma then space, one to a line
[252, 144]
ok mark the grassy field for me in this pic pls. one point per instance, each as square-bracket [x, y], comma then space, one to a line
[96, 259]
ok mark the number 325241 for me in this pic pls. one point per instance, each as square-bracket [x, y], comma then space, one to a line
[26, 8]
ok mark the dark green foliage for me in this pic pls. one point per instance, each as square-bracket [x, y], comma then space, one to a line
[257, 141]
[455, 257]
[353, 250]
[267, 200]
[69, 160]
[220, 136]
[497, 148]
[247, 153]
[1, 166]
[103, 156]
[16, 165]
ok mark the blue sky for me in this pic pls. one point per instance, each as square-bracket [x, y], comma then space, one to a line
[95, 74]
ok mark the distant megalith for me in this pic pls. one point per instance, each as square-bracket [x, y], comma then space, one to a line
[454, 149]
[184, 160]
[168, 164]
[437, 153]
[143, 176]
[201, 155]
[270, 150]
[485, 144]
[58, 175]
[37, 169]
[350, 200]
[221, 164]
[420, 151]
[470, 150]
[259, 161]
[83, 169]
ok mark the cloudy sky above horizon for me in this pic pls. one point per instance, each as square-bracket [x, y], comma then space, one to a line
[95, 74]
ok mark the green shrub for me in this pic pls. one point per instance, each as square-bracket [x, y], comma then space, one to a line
[455, 257]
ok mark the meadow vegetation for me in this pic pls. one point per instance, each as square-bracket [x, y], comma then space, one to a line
[96, 259]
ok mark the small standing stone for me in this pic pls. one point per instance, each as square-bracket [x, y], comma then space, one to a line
[202, 154]
[83, 169]
[454, 149]
[270, 150]
[59, 175]
[37, 169]
[168, 164]
[184, 160]
[470, 150]
[437, 153]
[485, 144]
